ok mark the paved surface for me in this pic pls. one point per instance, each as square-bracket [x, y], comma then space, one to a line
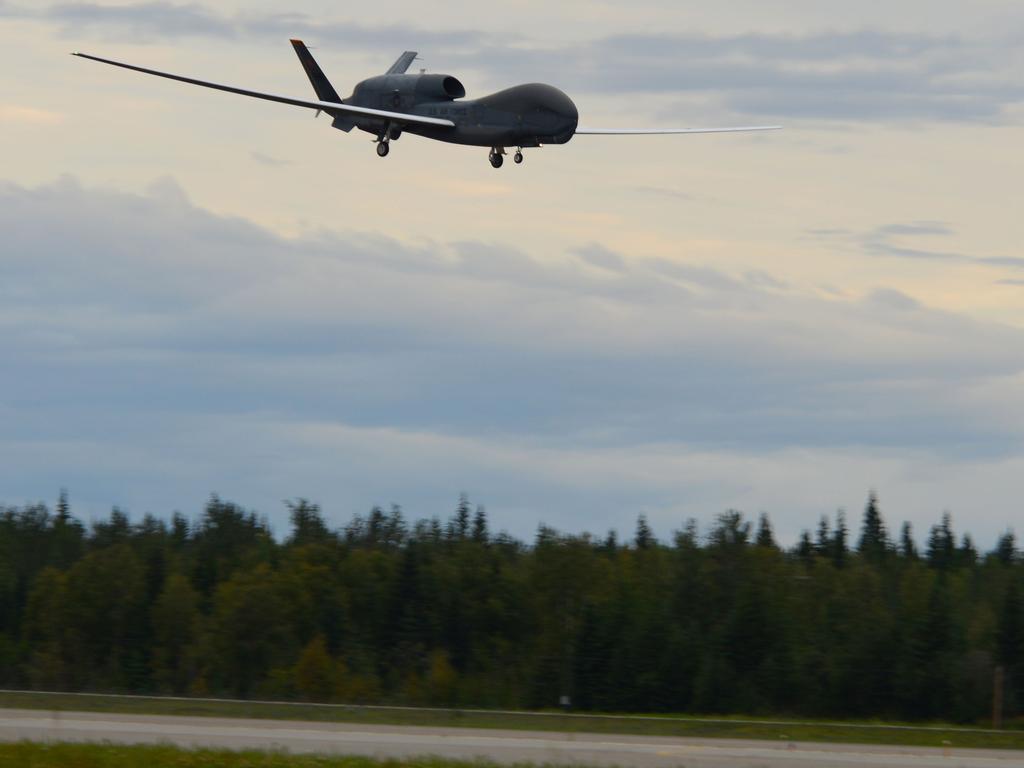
[468, 743]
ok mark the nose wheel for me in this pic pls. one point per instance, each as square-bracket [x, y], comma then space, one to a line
[383, 147]
[518, 157]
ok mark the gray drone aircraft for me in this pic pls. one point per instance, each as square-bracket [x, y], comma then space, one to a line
[433, 106]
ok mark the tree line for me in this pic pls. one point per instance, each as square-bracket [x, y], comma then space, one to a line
[846, 623]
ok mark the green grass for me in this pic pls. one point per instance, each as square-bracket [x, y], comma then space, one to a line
[32, 755]
[932, 735]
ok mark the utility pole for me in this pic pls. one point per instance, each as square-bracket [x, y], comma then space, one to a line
[997, 698]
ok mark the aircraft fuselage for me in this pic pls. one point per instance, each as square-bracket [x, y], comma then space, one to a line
[522, 116]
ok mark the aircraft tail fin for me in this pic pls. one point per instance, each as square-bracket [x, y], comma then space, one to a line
[324, 90]
[401, 66]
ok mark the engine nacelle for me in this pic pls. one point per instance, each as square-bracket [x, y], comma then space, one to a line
[439, 88]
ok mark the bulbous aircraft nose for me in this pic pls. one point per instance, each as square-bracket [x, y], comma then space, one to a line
[562, 116]
[562, 105]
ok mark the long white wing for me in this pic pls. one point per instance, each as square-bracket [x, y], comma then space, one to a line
[329, 107]
[655, 131]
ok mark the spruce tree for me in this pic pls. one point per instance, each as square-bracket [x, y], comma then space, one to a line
[644, 536]
[908, 547]
[1010, 644]
[840, 548]
[765, 537]
[611, 542]
[874, 541]
[824, 541]
[307, 524]
[460, 523]
[967, 554]
[941, 544]
[805, 547]
[480, 534]
[1006, 548]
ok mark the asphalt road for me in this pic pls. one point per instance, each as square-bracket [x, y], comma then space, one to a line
[468, 743]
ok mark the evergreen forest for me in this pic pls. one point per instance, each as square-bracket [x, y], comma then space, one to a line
[856, 620]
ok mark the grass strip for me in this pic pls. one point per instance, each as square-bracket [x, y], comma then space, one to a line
[34, 755]
[932, 735]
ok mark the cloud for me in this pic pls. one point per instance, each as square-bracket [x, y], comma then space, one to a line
[888, 298]
[154, 19]
[886, 241]
[859, 75]
[599, 256]
[267, 160]
[163, 351]
[166, 20]
[891, 240]
[674, 194]
[13, 113]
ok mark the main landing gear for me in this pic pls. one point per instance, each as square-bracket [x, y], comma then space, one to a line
[497, 156]
[391, 133]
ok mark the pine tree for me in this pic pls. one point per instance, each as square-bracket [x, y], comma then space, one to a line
[376, 527]
[67, 536]
[805, 547]
[1006, 548]
[459, 526]
[765, 537]
[941, 544]
[874, 541]
[824, 541]
[840, 548]
[908, 548]
[1010, 644]
[63, 507]
[480, 534]
[611, 542]
[688, 538]
[396, 530]
[644, 536]
[967, 554]
[307, 525]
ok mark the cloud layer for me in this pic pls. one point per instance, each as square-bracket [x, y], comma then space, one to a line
[161, 352]
[860, 75]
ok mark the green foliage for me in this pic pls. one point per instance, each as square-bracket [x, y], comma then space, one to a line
[175, 621]
[449, 614]
[315, 672]
[30, 755]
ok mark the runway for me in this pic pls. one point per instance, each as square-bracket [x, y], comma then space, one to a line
[468, 743]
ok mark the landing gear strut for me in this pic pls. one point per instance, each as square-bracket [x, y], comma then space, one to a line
[497, 157]
[390, 133]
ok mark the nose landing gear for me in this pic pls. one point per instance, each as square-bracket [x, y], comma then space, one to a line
[518, 156]
[390, 133]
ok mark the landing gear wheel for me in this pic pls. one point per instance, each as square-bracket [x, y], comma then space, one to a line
[518, 157]
[497, 160]
[383, 149]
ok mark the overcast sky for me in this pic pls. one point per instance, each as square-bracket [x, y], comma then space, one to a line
[204, 293]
